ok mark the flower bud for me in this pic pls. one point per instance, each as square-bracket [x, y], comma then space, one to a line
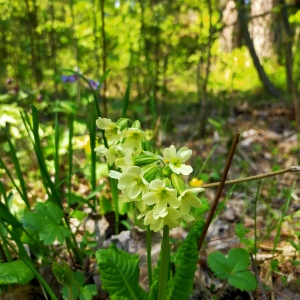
[146, 145]
[145, 159]
[150, 172]
[167, 181]
[136, 124]
[122, 122]
[166, 171]
[178, 183]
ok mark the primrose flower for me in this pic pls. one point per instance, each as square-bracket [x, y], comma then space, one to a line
[110, 154]
[188, 199]
[161, 196]
[176, 160]
[124, 158]
[131, 182]
[170, 217]
[134, 138]
[112, 130]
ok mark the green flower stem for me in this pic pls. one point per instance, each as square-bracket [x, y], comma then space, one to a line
[115, 198]
[164, 265]
[149, 262]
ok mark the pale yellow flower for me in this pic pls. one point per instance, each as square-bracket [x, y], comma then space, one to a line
[160, 196]
[176, 160]
[112, 130]
[170, 217]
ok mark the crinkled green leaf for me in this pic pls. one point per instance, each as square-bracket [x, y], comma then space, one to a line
[15, 272]
[233, 267]
[46, 220]
[185, 261]
[119, 272]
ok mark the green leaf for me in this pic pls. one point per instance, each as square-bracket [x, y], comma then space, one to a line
[243, 280]
[185, 261]
[63, 273]
[47, 222]
[119, 272]
[87, 292]
[7, 216]
[234, 268]
[15, 272]
[240, 230]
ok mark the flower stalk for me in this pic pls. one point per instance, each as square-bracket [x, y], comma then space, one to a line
[164, 265]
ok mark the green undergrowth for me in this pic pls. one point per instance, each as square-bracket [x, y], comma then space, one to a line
[52, 179]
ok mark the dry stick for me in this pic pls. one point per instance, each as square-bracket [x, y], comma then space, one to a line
[219, 191]
[255, 270]
[291, 169]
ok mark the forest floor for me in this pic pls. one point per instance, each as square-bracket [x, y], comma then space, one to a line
[268, 142]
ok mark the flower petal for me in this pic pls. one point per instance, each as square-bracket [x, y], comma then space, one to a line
[184, 153]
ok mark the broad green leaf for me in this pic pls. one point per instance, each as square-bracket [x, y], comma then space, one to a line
[234, 268]
[218, 263]
[87, 292]
[119, 272]
[15, 272]
[243, 280]
[185, 265]
[46, 220]
[239, 259]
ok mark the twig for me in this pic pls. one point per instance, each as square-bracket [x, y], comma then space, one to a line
[291, 169]
[219, 191]
[255, 270]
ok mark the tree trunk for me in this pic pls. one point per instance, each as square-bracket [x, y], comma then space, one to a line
[288, 43]
[202, 88]
[96, 39]
[263, 27]
[53, 43]
[33, 23]
[269, 87]
[231, 34]
[104, 88]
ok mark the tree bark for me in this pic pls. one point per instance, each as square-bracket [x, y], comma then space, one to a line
[104, 50]
[268, 85]
[288, 43]
[231, 33]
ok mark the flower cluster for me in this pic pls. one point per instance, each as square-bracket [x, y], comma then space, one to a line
[153, 182]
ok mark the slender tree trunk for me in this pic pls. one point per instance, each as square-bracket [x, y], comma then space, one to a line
[96, 39]
[144, 50]
[104, 88]
[53, 43]
[288, 41]
[3, 49]
[269, 87]
[202, 82]
[32, 23]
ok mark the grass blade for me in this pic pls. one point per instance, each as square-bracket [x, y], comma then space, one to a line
[126, 100]
[17, 169]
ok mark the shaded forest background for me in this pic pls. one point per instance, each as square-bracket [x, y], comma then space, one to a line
[173, 51]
